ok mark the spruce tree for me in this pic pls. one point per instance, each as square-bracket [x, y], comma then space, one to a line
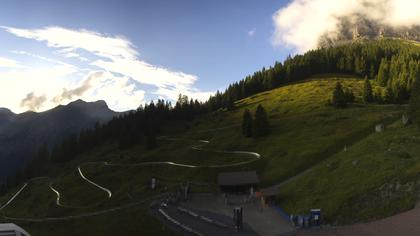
[414, 105]
[383, 72]
[367, 91]
[150, 139]
[229, 103]
[339, 97]
[389, 95]
[247, 123]
[372, 72]
[349, 95]
[261, 124]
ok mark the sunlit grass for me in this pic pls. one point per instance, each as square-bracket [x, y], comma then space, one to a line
[306, 132]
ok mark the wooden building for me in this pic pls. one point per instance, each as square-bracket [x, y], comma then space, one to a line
[241, 181]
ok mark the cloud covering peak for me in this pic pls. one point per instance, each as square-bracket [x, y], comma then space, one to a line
[302, 23]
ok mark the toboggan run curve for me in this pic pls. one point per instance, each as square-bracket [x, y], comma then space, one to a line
[198, 147]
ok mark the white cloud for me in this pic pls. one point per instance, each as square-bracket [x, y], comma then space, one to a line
[9, 63]
[146, 73]
[173, 94]
[58, 37]
[117, 58]
[50, 60]
[33, 102]
[119, 92]
[75, 55]
[15, 85]
[302, 22]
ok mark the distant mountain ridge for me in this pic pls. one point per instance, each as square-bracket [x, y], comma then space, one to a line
[358, 27]
[21, 134]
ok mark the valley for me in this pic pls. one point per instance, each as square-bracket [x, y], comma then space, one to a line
[307, 141]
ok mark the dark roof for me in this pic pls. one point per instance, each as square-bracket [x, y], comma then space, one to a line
[237, 178]
[269, 192]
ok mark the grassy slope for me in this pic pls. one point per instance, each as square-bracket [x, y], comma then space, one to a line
[304, 129]
[372, 179]
[304, 132]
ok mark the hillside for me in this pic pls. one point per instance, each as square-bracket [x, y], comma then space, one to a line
[21, 134]
[307, 141]
[373, 178]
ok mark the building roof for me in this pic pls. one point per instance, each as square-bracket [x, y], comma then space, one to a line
[237, 178]
[270, 191]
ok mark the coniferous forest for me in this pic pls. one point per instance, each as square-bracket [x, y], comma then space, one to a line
[393, 64]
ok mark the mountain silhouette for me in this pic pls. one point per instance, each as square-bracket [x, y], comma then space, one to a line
[21, 134]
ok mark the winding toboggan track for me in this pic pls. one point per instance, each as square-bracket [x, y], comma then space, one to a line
[198, 147]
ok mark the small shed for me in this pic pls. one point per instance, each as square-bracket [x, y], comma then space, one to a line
[241, 181]
[11, 229]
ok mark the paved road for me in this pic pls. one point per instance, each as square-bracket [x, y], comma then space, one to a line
[202, 227]
[263, 221]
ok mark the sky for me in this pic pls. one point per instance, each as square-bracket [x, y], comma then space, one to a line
[132, 52]
[129, 52]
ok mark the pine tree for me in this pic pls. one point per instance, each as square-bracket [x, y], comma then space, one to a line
[349, 95]
[150, 136]
[372, 72]
[150, 141]
[367, 91]
[229, 102]
[261, 124]
[383, 72]
[339, 97]
[247, 124]
[38, 165]
[378, 97]
[389, 95]
[414, 105]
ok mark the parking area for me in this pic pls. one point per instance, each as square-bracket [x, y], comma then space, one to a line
[262, 221]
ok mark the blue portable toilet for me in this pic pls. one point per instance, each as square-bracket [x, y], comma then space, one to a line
[316, 217]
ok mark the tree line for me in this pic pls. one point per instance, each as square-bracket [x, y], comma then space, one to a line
[132, 128]
[394, 64]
